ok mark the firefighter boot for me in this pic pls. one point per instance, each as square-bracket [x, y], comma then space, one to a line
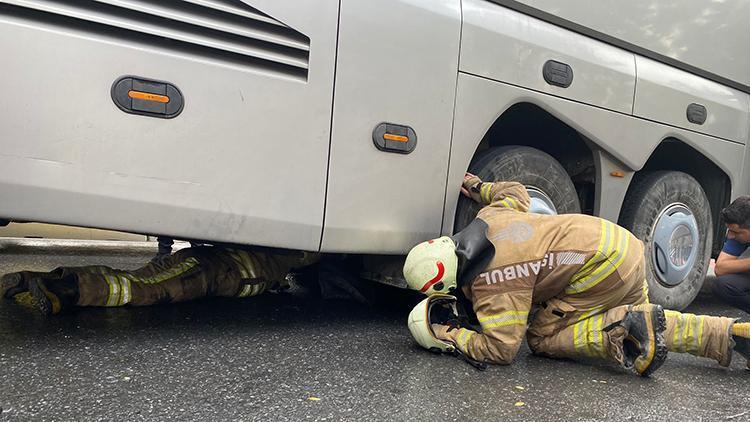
[13, 284]
[741, 337]
[52, 295]
[643, 346]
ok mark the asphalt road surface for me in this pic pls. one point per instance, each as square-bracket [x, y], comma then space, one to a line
[293, 356]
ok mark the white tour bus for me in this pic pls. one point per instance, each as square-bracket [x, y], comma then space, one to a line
[347, 125]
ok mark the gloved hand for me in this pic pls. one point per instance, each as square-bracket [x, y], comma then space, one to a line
[441, 331]
[470, 187]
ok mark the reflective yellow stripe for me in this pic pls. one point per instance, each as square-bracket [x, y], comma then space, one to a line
[261, 287]
[244, 273]
[259, 263]
[109, 288]
[509, 202]
[579, 338]
[605, 251]
[504, 319]
[485, 192]
[114, 290]
[250, 266]
[676, 335]
[688, 332]
[587, 338]
[118, 299]
[586, 335]
[109, 291]
[591, 334]
[598, 255]
[246, 290]
[693, 334]
[597, 341]
[617, 245]
[698, 331]
[252, 289]
[240, 265]
[463, 340]
[249, 262]
[125, 295]
[621, 252]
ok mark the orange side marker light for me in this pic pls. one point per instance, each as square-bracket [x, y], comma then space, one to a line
[147, 96]
[397, 138]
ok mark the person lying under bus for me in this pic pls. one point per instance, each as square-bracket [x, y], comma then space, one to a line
[188, 274]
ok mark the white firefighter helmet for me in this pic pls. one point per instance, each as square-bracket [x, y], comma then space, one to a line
[420, 326]
[431, 266]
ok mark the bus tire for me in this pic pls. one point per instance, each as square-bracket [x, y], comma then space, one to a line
[530, 166]
[669, 212]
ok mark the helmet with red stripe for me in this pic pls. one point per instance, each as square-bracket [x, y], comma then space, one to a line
[431, 266]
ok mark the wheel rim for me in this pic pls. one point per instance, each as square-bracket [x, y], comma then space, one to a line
[540, 201]
[674, 244]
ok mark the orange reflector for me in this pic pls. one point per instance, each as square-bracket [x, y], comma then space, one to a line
[146, 96]
[617, 174]
[397, 138]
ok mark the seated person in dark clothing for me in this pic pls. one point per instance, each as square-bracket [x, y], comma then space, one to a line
[733, 273]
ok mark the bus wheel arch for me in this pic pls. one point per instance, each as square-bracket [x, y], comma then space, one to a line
[549, 186]
[530, 125]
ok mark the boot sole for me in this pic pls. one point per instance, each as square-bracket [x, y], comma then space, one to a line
[42, 300]
[10, 282]
[659, 324]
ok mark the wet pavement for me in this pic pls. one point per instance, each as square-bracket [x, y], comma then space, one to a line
[293, 356]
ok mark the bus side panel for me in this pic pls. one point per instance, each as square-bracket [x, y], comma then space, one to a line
[244, 162]
[479, 102]
[507, 46]
[664, 95]
[710, 35]
[397, 63]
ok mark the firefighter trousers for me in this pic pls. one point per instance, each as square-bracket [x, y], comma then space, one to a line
[574, 325]
[187, 274]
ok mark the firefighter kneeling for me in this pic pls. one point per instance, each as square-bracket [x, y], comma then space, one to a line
[581, 276]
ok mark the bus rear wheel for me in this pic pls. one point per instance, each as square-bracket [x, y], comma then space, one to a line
[669, 212]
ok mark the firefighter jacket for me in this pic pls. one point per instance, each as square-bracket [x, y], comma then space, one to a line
[536, 258]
